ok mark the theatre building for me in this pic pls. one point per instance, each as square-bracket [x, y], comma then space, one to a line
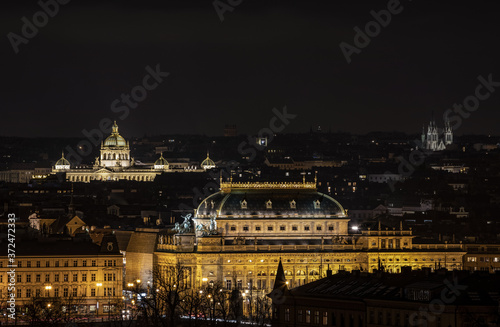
[238, 235]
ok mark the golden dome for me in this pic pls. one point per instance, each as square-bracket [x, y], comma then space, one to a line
[115, 139]
[63, 161]
[208, 163]
[161, 163]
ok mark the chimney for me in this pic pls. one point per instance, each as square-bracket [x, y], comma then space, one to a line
[328, 272]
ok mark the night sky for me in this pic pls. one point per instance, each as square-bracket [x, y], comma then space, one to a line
[264, 54]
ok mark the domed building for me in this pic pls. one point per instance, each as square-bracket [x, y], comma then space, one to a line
[281, 208]
[115, 151]
[62, 164]
[207, 163]
[240, 233]
[115, 163]
[161, 163]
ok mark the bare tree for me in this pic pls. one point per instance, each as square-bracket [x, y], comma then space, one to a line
[166, 293]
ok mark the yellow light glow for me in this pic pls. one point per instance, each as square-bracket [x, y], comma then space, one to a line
[204, 279]
[98, 284]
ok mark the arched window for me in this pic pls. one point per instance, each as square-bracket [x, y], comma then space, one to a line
[293, 204]
[317, 204]
[269, 204]
[243, 204]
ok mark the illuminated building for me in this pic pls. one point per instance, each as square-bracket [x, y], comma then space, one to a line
[240, 233]
[69, 271]
[115, 163]
[432, 141]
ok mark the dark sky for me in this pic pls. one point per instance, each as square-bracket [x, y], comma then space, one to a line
[264, 54]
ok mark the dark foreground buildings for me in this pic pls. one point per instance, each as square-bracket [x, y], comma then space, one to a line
[410, 298]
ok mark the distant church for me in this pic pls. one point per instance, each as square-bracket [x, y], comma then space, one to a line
[432, 140]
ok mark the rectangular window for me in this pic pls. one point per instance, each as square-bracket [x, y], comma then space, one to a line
[92, 292]
[325, 318]
[300, 315]
[240, 283]
[93, 263]
[233, 228]
[75, 292]
[75, 263]
[75, 277]
[306, 227]
[65, 292]
[257, 228]
[287, 315]
[28, 264]
[47, 263]
[28, 278]
[28, 292]
[57, 263]
[19, 264]
[245, 228]
[92, 277]
[330, 228]
[37, 278]
[66, 263]
[114, 263]
[282, 227]
[228, 284]
[38, 264]
[84, 277]
[308, 316]
[47, 278]
[294, 228]
[37, 292]
[318, 228]
[19, 279]
[316, 317]
[65, 277]
[270, 228]
[84, 263]
[56, 277]
[56, 292]
[19, 295]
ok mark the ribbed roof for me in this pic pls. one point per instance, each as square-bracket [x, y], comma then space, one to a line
[273, 202]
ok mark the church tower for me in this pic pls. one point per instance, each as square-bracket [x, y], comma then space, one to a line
[448, 133]
[432, 136]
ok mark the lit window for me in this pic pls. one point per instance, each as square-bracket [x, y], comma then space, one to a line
[269, 204]
[293, 204]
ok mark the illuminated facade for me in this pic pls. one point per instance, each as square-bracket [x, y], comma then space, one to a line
[80, 274]
[240, 233]
[432, 141]
[115, 163]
